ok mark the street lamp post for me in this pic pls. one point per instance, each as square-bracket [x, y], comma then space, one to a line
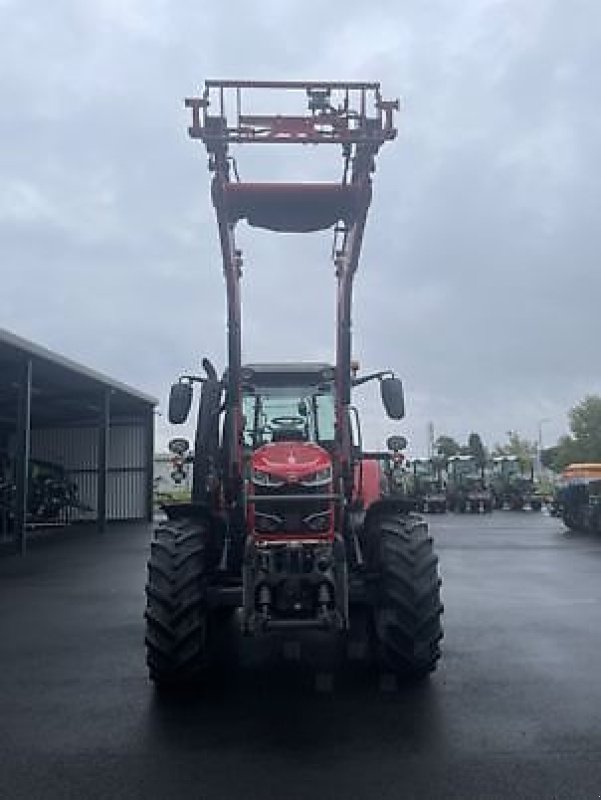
[539, 449]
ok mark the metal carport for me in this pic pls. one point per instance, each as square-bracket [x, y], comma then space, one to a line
[100, 430]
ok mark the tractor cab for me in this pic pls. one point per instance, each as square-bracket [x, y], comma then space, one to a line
[467, 485]
[287, 403]
[507, 466]
[426, 471]
[288, 434]
[465, 471]
[513, 484]
[427, 486]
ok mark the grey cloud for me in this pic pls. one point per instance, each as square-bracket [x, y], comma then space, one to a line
[480, 279]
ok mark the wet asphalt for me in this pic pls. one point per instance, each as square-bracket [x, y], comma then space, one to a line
[514, 710]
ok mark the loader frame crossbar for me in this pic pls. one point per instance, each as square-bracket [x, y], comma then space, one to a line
[350, 114]
[347, 122]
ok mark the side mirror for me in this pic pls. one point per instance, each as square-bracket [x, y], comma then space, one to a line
[393, 397]
[179, 446]
[180, 401]
[396, 443]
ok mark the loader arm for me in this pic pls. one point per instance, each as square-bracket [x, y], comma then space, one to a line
[351, 115]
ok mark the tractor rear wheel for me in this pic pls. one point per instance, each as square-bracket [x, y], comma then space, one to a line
[407, 609]
[177, 614]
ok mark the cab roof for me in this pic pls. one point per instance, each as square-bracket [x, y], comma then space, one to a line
[305, 373]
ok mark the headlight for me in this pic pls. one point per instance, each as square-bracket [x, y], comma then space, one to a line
[266, 478]
[319, 522]
[319, 478]
[268, 523]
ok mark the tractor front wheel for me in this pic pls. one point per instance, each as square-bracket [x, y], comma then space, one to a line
[177, 614]
[407, 609]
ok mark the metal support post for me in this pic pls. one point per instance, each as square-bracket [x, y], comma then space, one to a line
[149, 425]
[22, 449]
[104, 424]
[539, 447]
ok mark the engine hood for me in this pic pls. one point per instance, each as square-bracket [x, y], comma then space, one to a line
[291, 460]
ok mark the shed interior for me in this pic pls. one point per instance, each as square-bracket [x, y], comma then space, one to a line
[67, 430]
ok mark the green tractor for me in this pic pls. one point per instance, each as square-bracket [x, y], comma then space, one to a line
[467, 486]
[427, 485]
[513, 485]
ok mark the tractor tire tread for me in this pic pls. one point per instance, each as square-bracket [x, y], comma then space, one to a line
[176, 606]
[407, 613]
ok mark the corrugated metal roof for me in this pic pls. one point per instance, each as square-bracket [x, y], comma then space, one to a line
[16, 343]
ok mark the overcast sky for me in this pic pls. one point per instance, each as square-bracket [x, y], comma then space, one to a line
[480, 282]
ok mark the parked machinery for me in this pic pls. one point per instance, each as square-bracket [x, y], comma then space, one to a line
[427, 485]
[287, 521]
[580, 497]
[468, 489]
[513, 484]
[51, 494]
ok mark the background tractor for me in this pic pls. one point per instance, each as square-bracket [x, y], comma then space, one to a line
[427, 485]
[287, 521]
[467, 485]
[513, 484]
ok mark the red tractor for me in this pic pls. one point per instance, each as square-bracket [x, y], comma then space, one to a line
[287, 521]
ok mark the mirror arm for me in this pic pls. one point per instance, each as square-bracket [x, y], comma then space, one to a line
[192, 379]
[387, 373]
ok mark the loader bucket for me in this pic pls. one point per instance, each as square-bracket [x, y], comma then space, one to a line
[292, 207]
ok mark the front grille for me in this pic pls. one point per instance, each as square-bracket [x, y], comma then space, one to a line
[290, 516]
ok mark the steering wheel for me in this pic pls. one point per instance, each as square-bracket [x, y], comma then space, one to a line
[287, 422]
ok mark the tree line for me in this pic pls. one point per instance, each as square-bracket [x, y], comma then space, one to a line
[582, 444]
[446, 447]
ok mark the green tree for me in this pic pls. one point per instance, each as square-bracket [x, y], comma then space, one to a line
[584, 445]
[476, 448]
[585, 424]
[519, 446]
[446, 446]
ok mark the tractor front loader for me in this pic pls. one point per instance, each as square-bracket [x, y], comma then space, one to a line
[287, 522]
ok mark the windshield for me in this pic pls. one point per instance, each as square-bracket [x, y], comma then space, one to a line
[511, 468]
[422, 468]
[288, 414]
[467, 468]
